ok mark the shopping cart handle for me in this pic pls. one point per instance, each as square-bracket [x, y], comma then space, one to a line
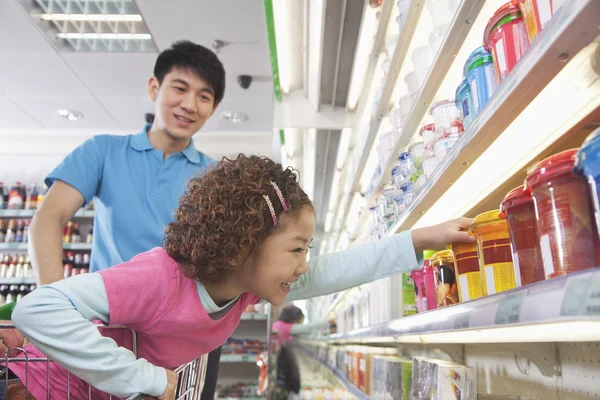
[139, 396]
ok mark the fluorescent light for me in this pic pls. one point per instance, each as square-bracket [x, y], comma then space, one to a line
[310, 137]
[343, 147]
[92, 17]
[364, 48]
[566, 100]
[316, 31]
[282, 38]
[105, 36]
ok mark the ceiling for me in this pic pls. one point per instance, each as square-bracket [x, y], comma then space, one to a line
[110, 89]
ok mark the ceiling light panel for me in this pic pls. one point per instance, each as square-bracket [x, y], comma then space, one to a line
[92, 25]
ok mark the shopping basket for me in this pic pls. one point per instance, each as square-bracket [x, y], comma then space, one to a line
[190, 376]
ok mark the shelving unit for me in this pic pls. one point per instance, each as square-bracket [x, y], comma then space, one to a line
[539, 341]
[66, 246]
[238, 358]
[7, 213]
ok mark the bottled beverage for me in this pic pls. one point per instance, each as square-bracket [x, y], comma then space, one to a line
[78, 261]
[16, 197]
[32, 197]
[68, 231]
[6, 309]
[40, 197]
[27, 270]
[76, 234]
[86, 260]
[90, 234]
[11, 296]
[2, 231]
[26, 232]
[11, 233]
[19, 232]
[3, 196]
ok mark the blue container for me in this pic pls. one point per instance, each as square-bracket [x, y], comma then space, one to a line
[464, 102]
[479, 71]
[587, 165]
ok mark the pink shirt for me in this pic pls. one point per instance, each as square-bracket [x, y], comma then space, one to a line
[151, 295]
[284, 331]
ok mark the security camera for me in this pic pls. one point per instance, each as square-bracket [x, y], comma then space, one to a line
[245, 81]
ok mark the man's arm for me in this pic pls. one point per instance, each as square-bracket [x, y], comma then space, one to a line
[45, 232]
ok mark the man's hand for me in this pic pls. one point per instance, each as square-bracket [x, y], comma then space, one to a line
[169, 393]
[437, 237]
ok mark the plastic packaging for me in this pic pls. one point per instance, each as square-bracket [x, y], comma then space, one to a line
[429, 280]
[506, 38]
[420, 294]
[445, 278]
[464, 102]
[390, 45]
[412, 83]
[429, 166]
[397, 118]
[417, 150]
[447, 119]
[479, 71]
[519, 211]
[442, 380]
[427, 132]
[442, 146]
[435, 39]
[422, 61]
[408, 193]
[563, 213]
[587, 165]
[403, 6]
[536, 14]
[495, 256]
[467, 270]
[441, 12]
[406, 103]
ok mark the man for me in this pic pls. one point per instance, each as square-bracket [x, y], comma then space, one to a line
[135, 180]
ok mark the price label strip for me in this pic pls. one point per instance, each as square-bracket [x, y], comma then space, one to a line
[582, 296]
[509, 309]
[462, 321]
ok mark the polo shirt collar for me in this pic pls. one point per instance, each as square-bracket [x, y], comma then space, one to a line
[140, 142]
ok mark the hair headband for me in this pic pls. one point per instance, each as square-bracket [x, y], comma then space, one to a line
[281, 200]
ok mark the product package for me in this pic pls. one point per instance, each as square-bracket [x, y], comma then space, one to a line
[442, 380]
[390, 378]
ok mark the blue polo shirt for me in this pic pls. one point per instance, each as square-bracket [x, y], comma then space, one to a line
[135, 191]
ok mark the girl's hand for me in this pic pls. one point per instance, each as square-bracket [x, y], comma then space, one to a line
[169, 393]
[437, 237]
[10, 338]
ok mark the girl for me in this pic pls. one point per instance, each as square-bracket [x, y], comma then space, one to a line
[240, 234]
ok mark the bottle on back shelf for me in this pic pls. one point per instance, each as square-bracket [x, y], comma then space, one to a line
[86, 261]
[27, 270]
[2, 231]
[40, 196]
[75, 234]
[16, 197]
[90, 235]
[67, 232]
[19, 232]
[3, 196]
[11, 233]
[25, 238]
[32, 197]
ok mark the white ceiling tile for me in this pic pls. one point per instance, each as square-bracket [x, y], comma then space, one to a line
[95, 116]
[128, 111]
[230, 146]
[38, 74]
[258, 109]
[12, 116]
[113, 74]
[18, 32]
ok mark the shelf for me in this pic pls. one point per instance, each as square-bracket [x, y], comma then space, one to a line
[81, 213]
[349, 385]
[253, 317]
[238, 358]
[563, 309]
[66, 246]
[17, 281]
[467, 12]
[571, 30]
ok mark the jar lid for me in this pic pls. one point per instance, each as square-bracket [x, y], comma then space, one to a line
[403, 156]
[441, 255]
[551, 167]
[430, 127]
[478, 58]
[463, 87]
[440, 104]
[485, 218]
[515, 197]
[507, 13]
[588, 154]
[463, 247]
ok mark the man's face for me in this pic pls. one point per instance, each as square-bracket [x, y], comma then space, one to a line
[183, 103]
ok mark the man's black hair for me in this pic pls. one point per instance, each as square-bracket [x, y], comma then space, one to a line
[291, 314]
[196, 58]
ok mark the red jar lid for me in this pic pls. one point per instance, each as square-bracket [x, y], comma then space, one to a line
[507, 10]
[551, 167]
[430, 127]
[515, 197]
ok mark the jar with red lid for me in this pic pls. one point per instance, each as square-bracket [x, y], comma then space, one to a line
[563, 213]
[519, 211]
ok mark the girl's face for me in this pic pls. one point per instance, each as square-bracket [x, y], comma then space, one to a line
[282, 259]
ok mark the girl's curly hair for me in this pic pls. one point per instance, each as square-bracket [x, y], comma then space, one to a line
[223, 219]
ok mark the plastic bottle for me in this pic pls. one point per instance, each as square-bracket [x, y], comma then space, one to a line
[16, 197]
[6, 310]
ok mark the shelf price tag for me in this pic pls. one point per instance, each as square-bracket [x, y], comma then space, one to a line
[509, 309]
[582, 296]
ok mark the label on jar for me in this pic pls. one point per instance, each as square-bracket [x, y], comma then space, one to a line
[517, 268]
[470, 286]
[546, 250]
[499, 277]
[475, 96]
[501, 57]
